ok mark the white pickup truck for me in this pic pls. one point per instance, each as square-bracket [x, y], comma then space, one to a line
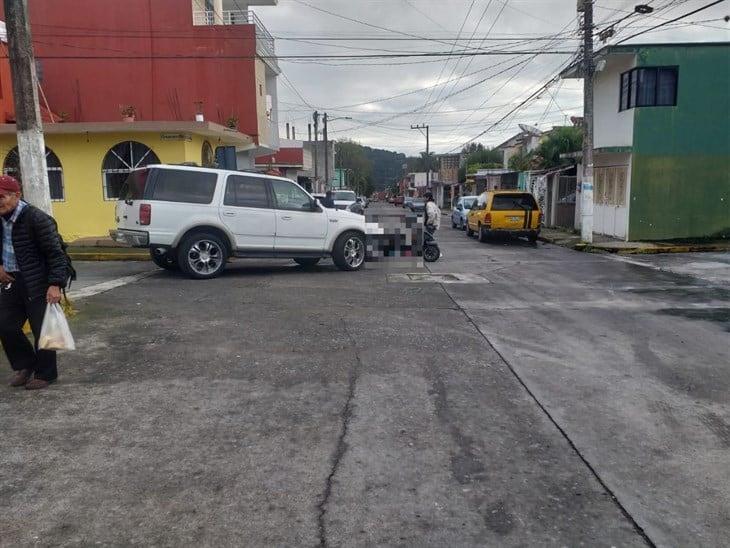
[194, 219]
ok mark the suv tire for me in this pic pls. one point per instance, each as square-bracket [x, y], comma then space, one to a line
[202, 255]
[165, 260]
[307, 262]
[348, 252]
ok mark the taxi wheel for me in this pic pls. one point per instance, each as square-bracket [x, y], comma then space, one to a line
[482, 234]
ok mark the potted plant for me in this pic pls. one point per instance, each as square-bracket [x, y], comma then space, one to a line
[199, 117]
[232, 122]
[128, 112]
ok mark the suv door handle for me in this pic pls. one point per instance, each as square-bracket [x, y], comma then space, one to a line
[229, 213]
[286, 218]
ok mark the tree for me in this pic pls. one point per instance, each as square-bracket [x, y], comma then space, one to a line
[351, 157]
[524, 161]
[485, 156]
[561, 140]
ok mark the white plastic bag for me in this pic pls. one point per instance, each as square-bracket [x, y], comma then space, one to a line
[55, 333]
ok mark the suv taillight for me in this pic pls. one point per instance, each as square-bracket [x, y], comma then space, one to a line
[145, 214]
[488, 219]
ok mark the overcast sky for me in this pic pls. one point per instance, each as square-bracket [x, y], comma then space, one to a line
[499, 82]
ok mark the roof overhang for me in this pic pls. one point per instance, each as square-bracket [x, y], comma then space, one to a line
[576, 69]
[220, 134]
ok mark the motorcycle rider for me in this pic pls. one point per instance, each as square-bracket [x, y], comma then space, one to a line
[432, 215]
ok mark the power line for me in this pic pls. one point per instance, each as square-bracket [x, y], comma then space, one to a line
[285, 57]
[515, 109]
[494, 23]
[455, 93]
[654, 16]
[706, 6]
[443, 67]
[427, 16]
[504, 84]
[453, 70]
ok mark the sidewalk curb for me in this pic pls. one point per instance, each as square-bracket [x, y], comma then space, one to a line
[108, 256]
[663, 248]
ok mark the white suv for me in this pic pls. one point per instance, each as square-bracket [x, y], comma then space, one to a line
[195, 218]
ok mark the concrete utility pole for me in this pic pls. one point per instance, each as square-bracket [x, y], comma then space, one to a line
[316, 151]
[326, 154]
[586, 207]
[29, 126]
[428, 150]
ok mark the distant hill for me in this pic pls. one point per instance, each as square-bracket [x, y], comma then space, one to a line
[387, 166]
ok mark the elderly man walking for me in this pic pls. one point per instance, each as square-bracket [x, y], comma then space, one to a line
[34, 271]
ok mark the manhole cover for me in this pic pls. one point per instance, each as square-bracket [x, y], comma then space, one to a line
[425, 277]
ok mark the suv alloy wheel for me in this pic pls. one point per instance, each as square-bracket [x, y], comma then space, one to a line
[348, 252]
[202, 255]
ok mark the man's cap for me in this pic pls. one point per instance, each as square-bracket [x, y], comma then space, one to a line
[428, 195]
[9, 184]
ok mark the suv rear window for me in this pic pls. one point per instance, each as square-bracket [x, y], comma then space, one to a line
[173, 185]
[134, 185]
[513, 202]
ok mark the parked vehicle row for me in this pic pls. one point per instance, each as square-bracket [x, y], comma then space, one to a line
[194, 219]
[498, 213]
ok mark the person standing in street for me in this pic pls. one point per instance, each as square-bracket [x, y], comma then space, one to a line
[328, 200]
[34, 270]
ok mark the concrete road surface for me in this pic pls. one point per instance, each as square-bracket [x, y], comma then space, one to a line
[528, 396]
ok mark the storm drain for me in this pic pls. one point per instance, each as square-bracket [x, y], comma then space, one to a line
[425, 277]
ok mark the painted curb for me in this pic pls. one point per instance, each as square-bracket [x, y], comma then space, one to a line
[109, 256]
[680, 248]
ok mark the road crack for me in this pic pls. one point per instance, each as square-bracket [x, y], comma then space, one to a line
[341, 447]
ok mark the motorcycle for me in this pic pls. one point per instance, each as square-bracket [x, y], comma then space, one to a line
[431, 250]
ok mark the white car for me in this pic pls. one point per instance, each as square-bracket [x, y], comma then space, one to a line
[344, 198]
[461, 211]
[195, 219]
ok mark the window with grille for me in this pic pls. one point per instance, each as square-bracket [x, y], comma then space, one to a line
[11, 166]
[121, 159]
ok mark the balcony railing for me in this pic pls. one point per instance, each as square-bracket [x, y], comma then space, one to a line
[264, 41]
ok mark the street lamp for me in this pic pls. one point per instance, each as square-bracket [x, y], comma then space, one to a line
[326, 147]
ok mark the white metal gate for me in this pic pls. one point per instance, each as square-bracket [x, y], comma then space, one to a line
[610, 211]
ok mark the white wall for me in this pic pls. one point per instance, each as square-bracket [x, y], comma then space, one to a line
[273, 91]
[612, 128]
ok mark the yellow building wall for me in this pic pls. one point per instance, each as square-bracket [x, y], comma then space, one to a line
[84, 211]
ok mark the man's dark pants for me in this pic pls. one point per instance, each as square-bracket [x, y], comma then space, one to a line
[15, 309]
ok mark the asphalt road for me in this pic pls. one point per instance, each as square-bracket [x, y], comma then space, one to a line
[531, 396]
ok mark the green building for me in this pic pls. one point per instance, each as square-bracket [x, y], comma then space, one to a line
[661, 141]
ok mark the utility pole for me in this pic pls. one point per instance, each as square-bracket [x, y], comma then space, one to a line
[316, 148]
[428, 157]
[586, 209]
[326, 154]
[29, 127]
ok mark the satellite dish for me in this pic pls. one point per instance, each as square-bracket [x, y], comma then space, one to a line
[530, 129]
